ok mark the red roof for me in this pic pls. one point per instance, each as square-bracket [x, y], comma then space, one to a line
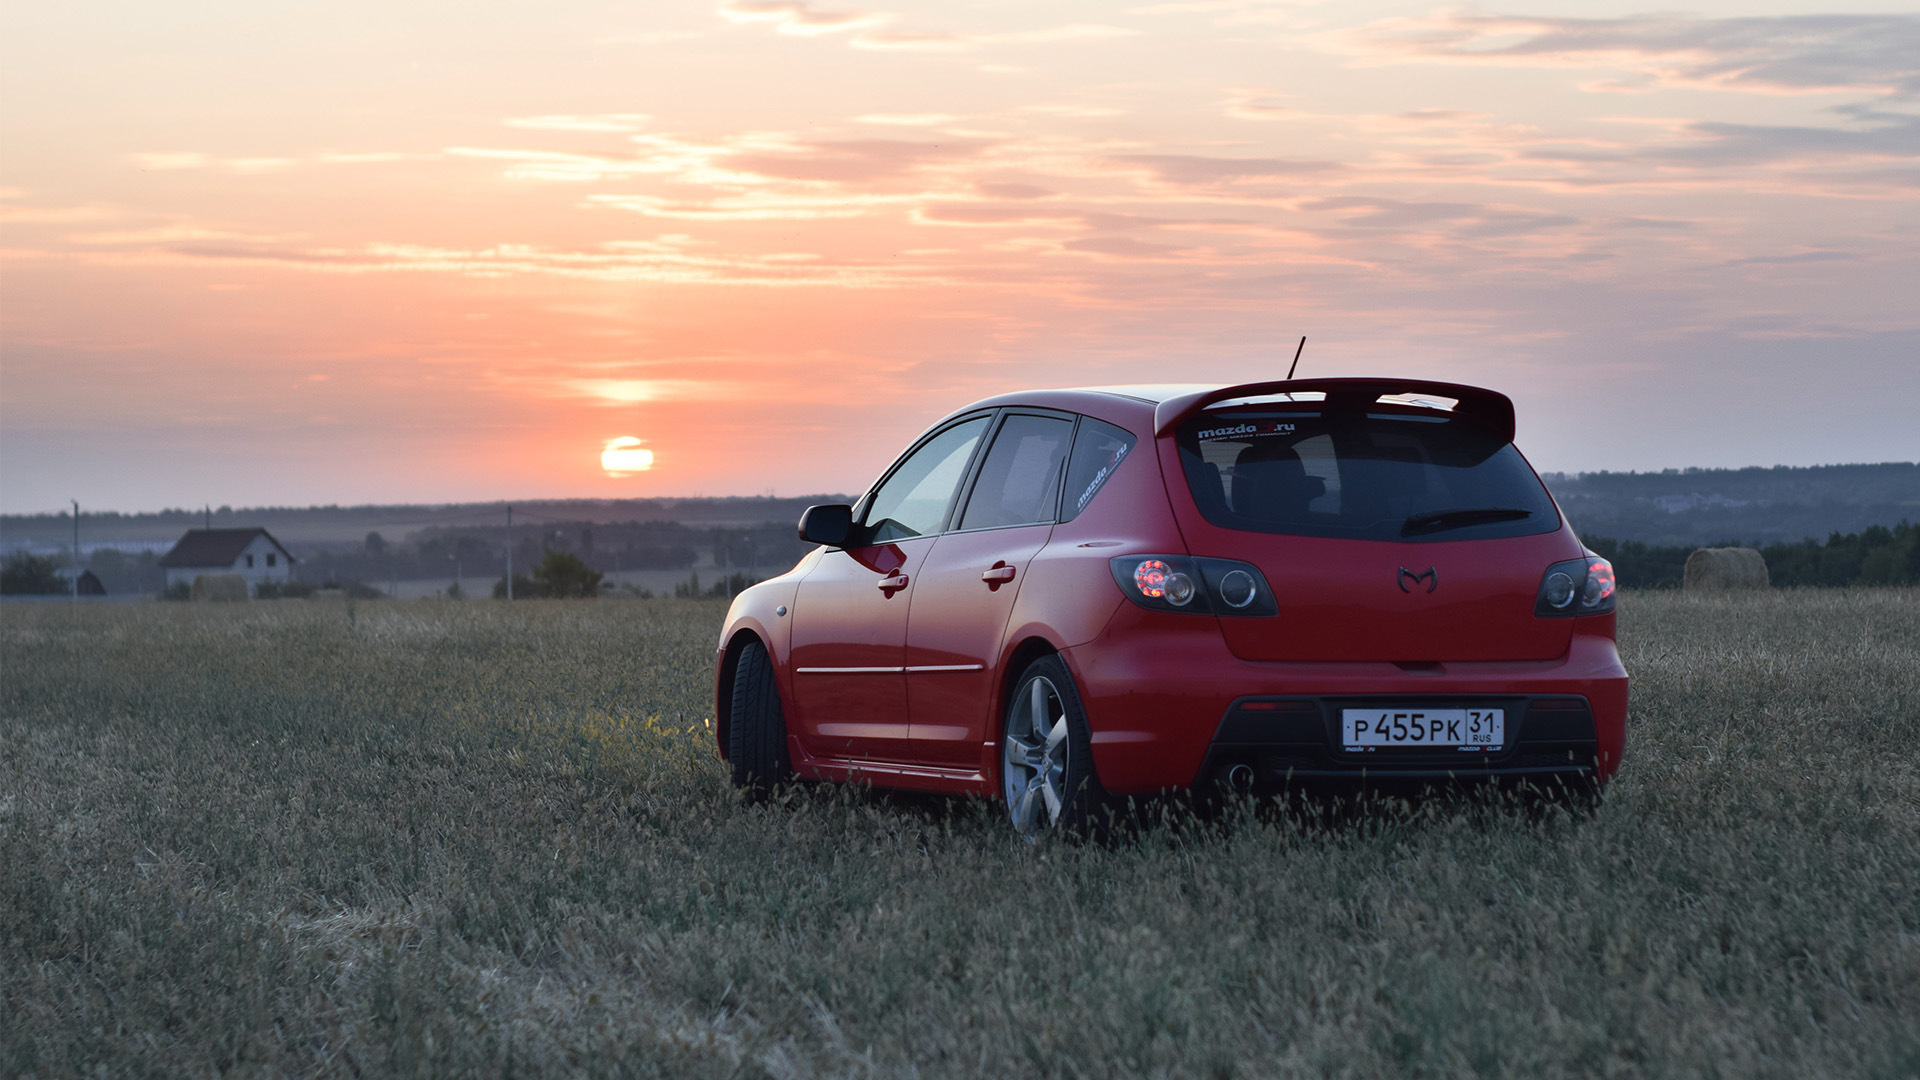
[215, 547]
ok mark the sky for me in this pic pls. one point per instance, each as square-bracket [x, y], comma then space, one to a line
[346, 252]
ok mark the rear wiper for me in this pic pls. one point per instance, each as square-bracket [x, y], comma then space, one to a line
[1442, 520]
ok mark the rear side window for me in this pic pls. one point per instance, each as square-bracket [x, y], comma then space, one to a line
[1019, 481]
[1363, 476]
[1098, 449]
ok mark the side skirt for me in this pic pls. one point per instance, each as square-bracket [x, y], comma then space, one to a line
[888, 774]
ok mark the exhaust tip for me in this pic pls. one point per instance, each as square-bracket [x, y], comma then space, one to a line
[1240, 778]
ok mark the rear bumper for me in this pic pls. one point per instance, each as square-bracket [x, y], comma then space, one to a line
[1268, 743]
[1168, 706]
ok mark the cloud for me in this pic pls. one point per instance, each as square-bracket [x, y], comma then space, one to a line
[1799, 257]
[748, 206]
[940, 41]
[789, 17]
[1709, 145]
[272, 253]
[608, 122]
[984, 214]
[1189, 169]
[169, 234]
[1258, 105]
[634, 391]
[563, 166]
[851, 161]
[53, 215]
[1877, 54]
[1122, 247]
[1076, 112]
[755, 159]
[801, 19]
[653, 262]
[1478, 221]
[167, 162]
[182, 161]
[1431, 116]
[649, 37]
[1012, 191]
[1746, 144]
[1234, 12]
[907, 119]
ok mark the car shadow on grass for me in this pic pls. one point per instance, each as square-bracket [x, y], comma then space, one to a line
[1333, 811]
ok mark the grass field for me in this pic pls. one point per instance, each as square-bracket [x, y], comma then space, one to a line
[440, 838]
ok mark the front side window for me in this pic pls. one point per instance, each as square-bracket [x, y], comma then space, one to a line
[270, 558]
[1019, 481]
[1098, 449]
[249, 562]
[1364, 476]
[913, 499]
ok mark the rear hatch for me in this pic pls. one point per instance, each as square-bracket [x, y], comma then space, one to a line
[1392, 526]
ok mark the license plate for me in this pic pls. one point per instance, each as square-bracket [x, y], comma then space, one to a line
[1461, 729]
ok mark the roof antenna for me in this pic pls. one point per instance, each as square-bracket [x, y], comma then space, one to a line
[1296, 357]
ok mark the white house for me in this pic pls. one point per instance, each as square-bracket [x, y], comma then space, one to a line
[252, 553]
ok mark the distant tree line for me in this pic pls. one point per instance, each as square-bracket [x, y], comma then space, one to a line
[480, 552]
[1876, 555]
[1696, 507]
[24, 574]
[474, 554]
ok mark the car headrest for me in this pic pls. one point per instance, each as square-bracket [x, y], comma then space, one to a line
[1271, 484]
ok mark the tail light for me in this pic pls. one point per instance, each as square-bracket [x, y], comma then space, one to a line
[1203, 586]
[1576, 587]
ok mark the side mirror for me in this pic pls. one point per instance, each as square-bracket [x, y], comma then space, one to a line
[830, 524]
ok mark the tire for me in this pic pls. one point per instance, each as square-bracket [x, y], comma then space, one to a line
[1046, 767]
[757, 730]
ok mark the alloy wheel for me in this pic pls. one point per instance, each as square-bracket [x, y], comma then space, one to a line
[1034, 763]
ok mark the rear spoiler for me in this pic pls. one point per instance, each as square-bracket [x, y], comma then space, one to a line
[1486, 409]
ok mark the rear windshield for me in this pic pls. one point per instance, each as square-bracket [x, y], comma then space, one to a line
[1364, 476]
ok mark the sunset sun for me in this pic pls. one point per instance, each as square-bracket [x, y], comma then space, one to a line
[624, 456]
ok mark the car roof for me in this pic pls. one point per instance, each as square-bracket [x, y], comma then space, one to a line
[1079, 397]
[1151, 393]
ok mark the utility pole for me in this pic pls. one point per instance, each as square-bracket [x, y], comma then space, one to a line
[76, 550]
[509, 551]
[209, 518]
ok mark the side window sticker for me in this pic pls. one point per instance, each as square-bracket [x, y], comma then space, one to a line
[1093, 485]
[1098, 451]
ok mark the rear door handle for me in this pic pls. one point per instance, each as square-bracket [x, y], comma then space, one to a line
[998, 576]
[892, 583]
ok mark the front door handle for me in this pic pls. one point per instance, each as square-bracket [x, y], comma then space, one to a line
[892, 583]
[998, 576]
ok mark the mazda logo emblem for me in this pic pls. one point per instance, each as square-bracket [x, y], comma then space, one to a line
[1432, 579]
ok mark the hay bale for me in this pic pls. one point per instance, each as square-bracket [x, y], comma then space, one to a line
[219, 588]
[1726, 568]
[327, 594]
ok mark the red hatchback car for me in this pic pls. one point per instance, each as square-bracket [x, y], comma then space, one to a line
[1066, 596]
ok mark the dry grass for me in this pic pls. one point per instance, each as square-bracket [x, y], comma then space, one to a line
[472, 839]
